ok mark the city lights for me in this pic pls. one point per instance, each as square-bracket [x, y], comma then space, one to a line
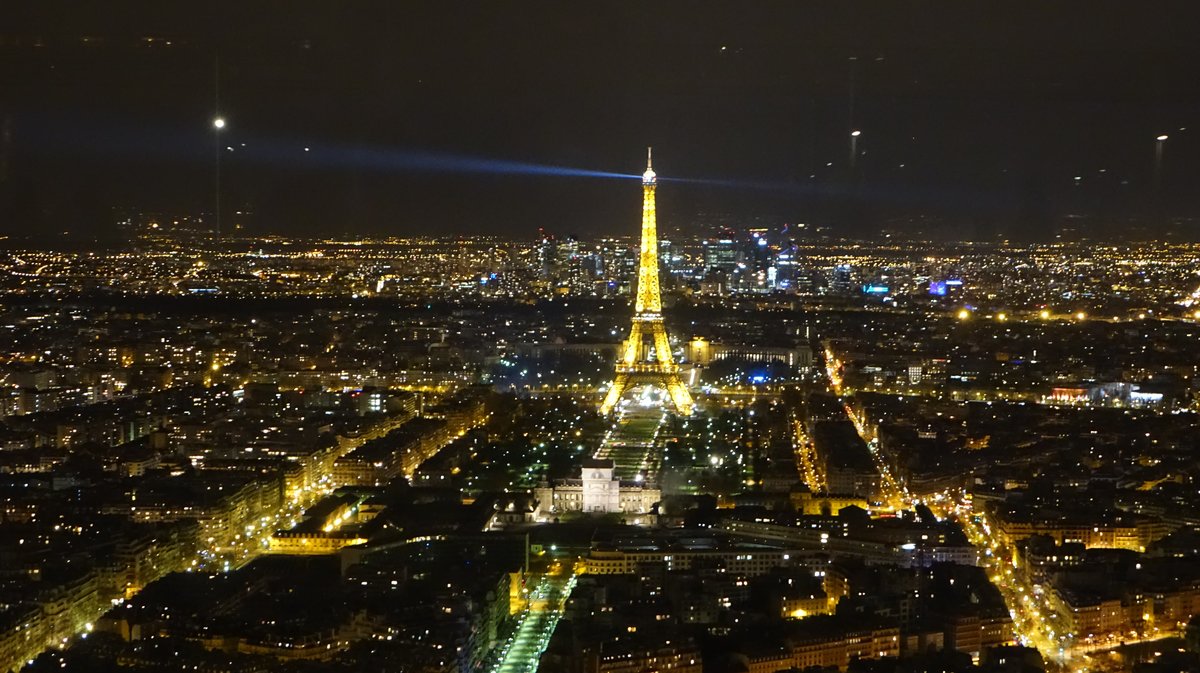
[332, 339]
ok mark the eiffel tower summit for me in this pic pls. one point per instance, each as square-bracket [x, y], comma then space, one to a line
[646, 355]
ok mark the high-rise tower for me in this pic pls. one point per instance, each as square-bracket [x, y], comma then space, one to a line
[637, 366]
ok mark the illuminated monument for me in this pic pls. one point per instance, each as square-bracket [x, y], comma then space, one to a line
[636, 365]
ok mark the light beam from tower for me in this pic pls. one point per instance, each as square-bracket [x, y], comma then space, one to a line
[635, 366]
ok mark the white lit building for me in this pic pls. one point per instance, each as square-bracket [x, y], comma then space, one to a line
[596, 491]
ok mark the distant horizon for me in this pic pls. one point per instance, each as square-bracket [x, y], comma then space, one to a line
[813, 236]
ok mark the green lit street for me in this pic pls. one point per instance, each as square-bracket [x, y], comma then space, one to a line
[524, 648]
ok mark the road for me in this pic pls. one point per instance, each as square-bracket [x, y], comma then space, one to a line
[894, 493]
[1038, 618]
[248, 544]
[523, 650]
[806, 458]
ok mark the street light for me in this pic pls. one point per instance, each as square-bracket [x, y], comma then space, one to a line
[1159, 141]
[854, 148]
[218, 124]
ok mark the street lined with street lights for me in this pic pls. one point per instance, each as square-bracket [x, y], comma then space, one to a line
[1038, 619]
[522, 652]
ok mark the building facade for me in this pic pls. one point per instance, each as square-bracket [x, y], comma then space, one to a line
[597, 491]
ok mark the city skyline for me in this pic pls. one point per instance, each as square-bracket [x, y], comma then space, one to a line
[333, 338]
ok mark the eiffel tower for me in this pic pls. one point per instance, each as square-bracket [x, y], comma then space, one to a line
[636, 367]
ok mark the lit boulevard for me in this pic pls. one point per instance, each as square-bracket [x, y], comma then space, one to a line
[1035, 620]
[520, 653]
[806, 455]
[245, 546]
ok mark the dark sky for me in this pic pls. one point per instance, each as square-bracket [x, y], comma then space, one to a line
[976, 117]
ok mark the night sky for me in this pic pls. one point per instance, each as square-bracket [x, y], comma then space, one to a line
[976, 118]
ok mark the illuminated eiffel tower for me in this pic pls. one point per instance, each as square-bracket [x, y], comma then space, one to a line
[636, 367]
